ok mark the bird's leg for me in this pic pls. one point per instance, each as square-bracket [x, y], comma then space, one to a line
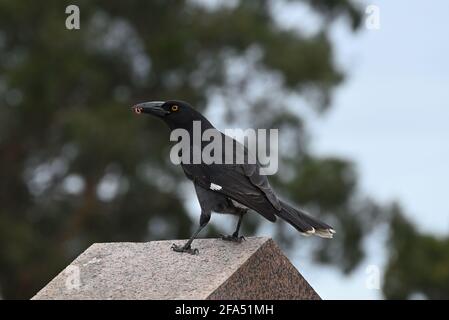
[235, 236]
[204, 219]
[187, 246]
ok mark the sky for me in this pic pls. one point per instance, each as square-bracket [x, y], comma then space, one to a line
[391, 116]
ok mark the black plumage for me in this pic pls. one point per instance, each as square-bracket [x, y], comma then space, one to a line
[228, 188]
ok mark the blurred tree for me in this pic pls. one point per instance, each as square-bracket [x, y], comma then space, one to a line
[418, 265]
[76, 167]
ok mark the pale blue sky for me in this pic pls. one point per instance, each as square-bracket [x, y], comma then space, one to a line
[391, 117]
[392, 114]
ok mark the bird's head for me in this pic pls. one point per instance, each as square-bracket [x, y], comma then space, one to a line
[177, 114]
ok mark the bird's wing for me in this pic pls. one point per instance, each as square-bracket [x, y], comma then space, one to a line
[231, 181]
[261, 182]
[251, 168]
[241, 182]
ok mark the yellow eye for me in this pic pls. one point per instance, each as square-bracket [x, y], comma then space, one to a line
[174, 108]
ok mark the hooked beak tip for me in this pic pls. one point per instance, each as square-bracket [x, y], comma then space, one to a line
[137, 109]
[153, 107]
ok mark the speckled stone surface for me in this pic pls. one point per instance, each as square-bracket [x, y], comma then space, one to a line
[267, 274]
[253, 269]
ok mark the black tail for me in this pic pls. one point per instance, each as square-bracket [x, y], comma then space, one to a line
[303, 222]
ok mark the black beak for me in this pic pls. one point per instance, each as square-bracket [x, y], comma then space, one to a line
[153, 107]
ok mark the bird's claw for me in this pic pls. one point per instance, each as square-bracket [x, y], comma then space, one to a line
[233, 238]
[188, 249]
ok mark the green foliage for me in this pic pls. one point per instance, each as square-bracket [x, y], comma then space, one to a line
[418, 263]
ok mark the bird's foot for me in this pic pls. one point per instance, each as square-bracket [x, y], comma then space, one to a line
[233, 238]
[184, 248]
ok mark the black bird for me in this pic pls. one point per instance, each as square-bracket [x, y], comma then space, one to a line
[228, 188]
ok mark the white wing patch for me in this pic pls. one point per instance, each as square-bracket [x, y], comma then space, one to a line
[215, 187]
